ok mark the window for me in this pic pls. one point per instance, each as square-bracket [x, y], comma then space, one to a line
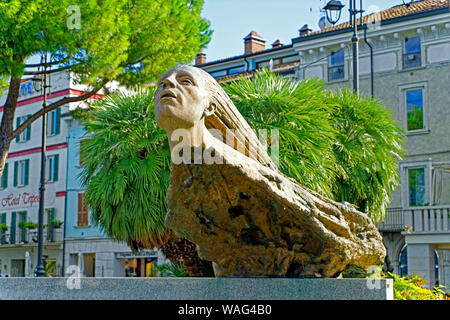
[52, 168]
[26, 134]
[220, 73]
[53, 122]
[83, 214]
[416, 187]
[21, 172]
[412, 53]
[4, 178]
[236, 70]
[414, 109]
[227, 72]
[336, 66]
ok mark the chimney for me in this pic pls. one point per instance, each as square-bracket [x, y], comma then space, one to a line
[277, 44]
[305, 30]
[200, 59]
[254, 43]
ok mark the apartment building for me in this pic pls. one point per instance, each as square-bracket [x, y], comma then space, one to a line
[411, 75]
[19, 189]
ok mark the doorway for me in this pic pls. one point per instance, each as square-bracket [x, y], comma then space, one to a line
[18, 268]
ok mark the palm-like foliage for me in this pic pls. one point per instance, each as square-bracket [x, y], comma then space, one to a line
[338, 144]
[300, 113]
[368, 146]
[126, 162]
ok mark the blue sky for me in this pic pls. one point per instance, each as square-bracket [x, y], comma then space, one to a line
[232, 20]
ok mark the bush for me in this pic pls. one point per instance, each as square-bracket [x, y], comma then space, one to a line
[410, 288]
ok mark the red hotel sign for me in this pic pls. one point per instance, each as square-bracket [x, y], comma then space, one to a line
[24, 199]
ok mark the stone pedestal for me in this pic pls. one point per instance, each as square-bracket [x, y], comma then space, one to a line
[194, 289]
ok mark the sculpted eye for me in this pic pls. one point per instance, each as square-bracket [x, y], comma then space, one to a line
[186, 81]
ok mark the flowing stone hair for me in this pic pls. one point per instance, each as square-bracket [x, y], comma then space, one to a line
[229, 121]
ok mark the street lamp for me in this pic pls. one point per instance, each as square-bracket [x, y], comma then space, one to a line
[333, 11]
[40, 83]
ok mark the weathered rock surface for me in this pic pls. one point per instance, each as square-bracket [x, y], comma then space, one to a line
[251, 220]
[244, 215]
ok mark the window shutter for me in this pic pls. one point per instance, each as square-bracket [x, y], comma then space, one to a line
[82, 212]
[28, 130]
[57, 120]
[55, 167]
[23, 232]
[27, 171]
[12, 235]
[48, 124]
[4, 183]
[16, 172]
[17, 125]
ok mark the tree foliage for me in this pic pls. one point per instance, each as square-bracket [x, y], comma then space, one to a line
[336, 143]
[126, 162]
[128, 41]
[300, 112]
[367, 147]
[131, 41]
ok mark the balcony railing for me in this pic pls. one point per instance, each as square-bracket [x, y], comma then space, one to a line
[336, 73]
[420, 220]
[412, 60]
[30, 236]
[394, 221]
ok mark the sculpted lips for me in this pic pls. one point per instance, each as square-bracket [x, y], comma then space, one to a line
[167, 94]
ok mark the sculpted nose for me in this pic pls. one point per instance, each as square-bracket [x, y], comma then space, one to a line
[168, 83]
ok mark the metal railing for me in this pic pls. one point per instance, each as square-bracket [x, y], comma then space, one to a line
[412, 60]
[30, 236]
[394, 221]
[431, 219]
[336, 73]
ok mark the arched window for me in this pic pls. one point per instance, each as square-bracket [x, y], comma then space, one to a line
[403, 262]
[436, 267]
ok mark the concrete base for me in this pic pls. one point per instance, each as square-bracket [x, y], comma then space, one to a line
[194, 289]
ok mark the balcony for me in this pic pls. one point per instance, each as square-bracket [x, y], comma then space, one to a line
[417, 220]
[30, 237]
[394, 221]
[427, 220]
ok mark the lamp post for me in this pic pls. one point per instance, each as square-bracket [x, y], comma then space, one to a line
[333, 11]
[40, 269]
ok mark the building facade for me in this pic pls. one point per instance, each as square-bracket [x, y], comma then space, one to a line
[69, 237]
[19, 192]
[86, 246]
[411, 75]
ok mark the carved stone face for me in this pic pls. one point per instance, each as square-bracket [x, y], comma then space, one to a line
[181, 98]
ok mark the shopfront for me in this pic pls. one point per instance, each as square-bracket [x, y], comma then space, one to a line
[140, 264]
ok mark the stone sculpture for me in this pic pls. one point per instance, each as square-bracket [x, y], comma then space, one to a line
[232, 202]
